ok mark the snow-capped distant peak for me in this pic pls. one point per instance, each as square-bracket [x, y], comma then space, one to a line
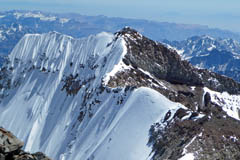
[212, 47]
[64, 20]
[208, 37]
[35, 15]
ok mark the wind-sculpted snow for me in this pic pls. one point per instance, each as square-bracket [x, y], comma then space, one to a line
[58, 102]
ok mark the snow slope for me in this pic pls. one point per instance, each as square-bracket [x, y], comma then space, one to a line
[57, 103]
[230, 103]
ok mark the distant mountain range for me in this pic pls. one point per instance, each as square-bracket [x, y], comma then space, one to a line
[15, 24]
[216, 54]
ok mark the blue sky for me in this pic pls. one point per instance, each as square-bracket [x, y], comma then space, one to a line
[215, 13]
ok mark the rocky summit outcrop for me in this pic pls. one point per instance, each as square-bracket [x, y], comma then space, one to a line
[204, 129]
[151, 64]
[166, 64]
[11, 148]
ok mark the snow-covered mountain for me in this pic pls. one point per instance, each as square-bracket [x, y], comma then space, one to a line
[114, 96]
[218, 55]
[62, 108]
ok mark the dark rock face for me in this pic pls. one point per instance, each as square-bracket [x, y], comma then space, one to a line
[207, 99]
[165, 64]
[8, 142]
[180, 113]
[11, 148]
[157, 59]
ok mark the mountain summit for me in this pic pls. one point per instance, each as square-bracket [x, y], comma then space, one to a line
[116, 96]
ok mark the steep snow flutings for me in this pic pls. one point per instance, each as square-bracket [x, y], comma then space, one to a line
[59, 105]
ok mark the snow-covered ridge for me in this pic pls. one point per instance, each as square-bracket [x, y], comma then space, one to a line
[55, 52]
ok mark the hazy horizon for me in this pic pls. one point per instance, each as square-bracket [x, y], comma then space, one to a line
[216, 13]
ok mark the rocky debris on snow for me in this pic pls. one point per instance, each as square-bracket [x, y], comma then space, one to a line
[209, 137]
